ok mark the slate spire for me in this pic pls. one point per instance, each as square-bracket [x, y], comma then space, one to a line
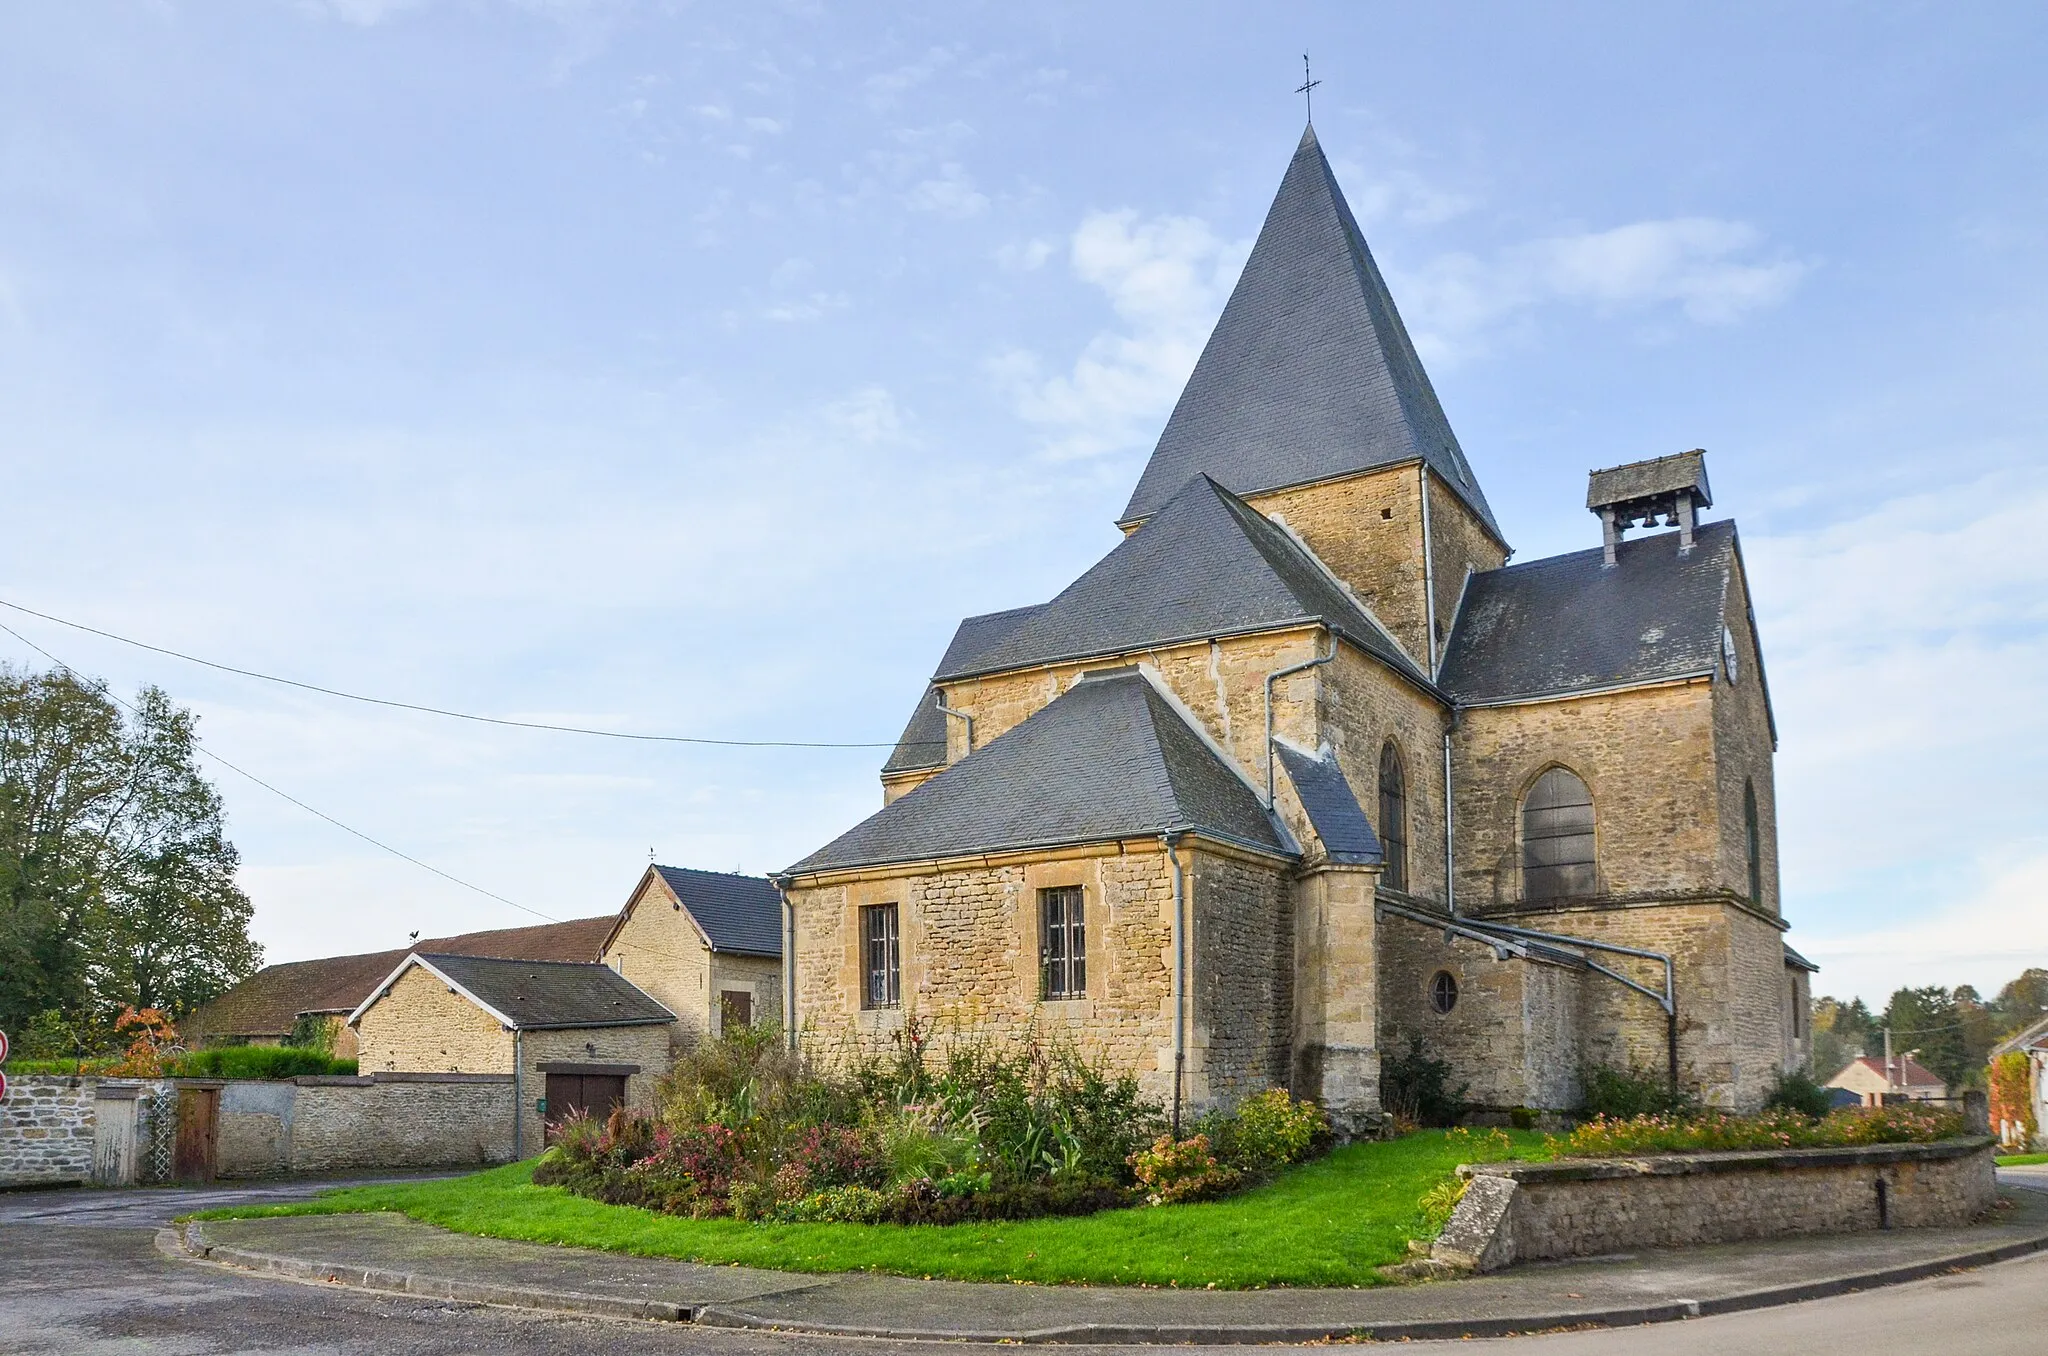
[1309, 373]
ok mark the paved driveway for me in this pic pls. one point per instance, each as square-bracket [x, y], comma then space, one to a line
[79, 1273]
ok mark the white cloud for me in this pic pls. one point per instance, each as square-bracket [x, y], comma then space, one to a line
[1907, 650]
[950, 194]
[1166, 279]
[1712, 271]
[1024, 256]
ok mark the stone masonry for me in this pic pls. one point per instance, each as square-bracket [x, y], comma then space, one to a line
[46, 1127]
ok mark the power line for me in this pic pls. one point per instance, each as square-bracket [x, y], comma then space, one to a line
[285, 795]
[443, 711]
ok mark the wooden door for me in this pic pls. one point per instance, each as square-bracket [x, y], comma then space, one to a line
[114, 1160]
[193, 1157]
[597, 1094]
[735, 1009]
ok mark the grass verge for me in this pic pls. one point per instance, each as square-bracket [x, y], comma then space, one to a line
[1327, 1223]
[2021, 1160]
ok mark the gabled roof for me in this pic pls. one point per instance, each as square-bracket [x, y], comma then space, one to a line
[1332, 807]
[1796, 961]
[738, 914]
[535, 995]
[2032, 1037]
[1310, 373]
[923, 741]
[1206, 564]
[1572, 623]
[269, 1001]
[1906, 1072]
[1112, 757]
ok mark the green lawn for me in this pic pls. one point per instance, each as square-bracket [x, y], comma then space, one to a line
[2020, 1160]
[1325, 1223]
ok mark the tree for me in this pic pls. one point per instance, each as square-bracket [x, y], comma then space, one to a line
[117, 880]
[1928, 1022]
[2021, 1003]
[1841, 1032]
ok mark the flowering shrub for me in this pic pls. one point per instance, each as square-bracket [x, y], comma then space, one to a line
[1772, 1129]
[1492, 1147]
[1173, 1171]
[154, 1038]
[911, 1134]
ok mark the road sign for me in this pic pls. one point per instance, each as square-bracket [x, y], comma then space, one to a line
[3, 1087]
[3, 1047]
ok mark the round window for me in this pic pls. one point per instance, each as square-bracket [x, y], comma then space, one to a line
[1443, 991]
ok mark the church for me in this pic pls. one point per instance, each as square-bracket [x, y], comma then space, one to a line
[1304, 775]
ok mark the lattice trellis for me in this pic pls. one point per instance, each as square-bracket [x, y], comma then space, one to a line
[162, 1133]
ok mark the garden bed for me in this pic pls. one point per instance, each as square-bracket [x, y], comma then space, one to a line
[1331, 1222]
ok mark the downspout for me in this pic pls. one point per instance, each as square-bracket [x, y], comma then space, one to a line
[939, 700]
[518, 1096]
[1450, 848]
[788, 962]
[1428, 569]
[1275, 676]
[1180, 974]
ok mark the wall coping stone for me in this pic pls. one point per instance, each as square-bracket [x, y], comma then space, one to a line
[1733, 1160]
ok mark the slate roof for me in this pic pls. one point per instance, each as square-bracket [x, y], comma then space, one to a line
[1799, 962]
[741, 914]
[923, 741]
[2027, 1038]
[266, 1004]
[1309, 373]
[549, 995]
[1109, 758]
[1642, 479]
[1206, 564]
[1333, 809]
[1571, 623]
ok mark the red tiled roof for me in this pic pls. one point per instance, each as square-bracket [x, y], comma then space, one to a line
[1906, 1072]
[267, 1003]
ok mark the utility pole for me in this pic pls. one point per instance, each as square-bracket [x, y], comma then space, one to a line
[1890, 1081]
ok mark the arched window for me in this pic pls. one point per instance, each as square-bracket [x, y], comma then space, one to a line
[1753, 836]
[1393, 818]
[1557, 838]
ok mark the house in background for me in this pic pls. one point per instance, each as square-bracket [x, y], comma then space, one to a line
[705, 944]
[1874, 1079]
[315, 997]
[589, 1038]
[2033, 1043]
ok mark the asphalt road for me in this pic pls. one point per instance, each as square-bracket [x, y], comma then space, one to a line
[80, 1275]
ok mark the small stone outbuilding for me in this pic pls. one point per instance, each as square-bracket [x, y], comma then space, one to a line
[707, 945]
[570, 1036]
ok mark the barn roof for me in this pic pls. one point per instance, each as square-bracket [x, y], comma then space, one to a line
[533, 995]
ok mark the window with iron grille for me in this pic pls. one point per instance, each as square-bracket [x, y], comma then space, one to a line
[1062, 943]
[1443, 991]
[1393, 819]
[1557, 838]
[881, 957]
[1755, 840]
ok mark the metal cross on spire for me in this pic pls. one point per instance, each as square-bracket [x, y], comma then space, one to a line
[1308, 86]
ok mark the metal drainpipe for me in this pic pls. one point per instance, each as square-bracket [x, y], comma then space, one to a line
[1180, 966]
[1450, 849]
[1275, 676]
[939, 700]
[518, 1096]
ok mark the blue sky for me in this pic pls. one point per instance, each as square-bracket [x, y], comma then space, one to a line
[693, 368]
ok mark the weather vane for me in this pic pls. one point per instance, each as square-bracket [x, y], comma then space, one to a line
[1307, 90]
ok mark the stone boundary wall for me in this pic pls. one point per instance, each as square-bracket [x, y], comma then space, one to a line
[336, 1123]
[49, 1122]
[1522, 1212]
[46, 1127]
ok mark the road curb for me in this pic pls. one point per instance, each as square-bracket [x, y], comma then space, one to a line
[192, 1243]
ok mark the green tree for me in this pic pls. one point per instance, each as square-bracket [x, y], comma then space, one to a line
[117, 880]
[1928, 1022]
[1841, 1032]
[2021, 1003]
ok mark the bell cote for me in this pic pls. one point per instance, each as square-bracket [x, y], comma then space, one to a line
[1673, 489]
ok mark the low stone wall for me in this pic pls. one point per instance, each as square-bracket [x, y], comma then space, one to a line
[388, 1120]
[46, 1127]
[1522, 1212]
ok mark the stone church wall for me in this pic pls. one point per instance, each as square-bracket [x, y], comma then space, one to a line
[1242, 984]
[1460, 545]
[1362, 707]
[1742, 751]
[1647, 755]
[969, 954]
[1368, 530]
